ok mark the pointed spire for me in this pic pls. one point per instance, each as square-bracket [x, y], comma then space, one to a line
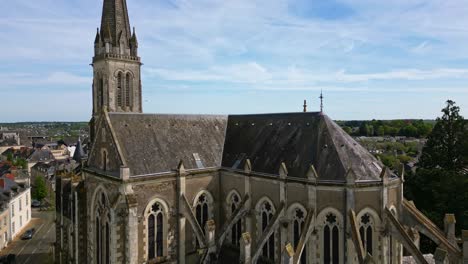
[312, 173]
[134, 38]
[115, 19]
[384, 175]
[283, 170]
[98, 37]
[247, 166]
[79, 154]
[181, 167]
[305, 106]
[351, 177]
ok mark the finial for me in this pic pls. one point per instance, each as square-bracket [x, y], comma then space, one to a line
[305, 106]
[321, 101]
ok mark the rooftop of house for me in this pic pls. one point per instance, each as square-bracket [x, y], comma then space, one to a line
[43, 154]
[9, 188]
[23, 152]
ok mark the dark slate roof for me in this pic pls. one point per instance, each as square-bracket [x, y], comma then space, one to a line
[153, 143]
[299, 140]
[79, 154]
[41, 155]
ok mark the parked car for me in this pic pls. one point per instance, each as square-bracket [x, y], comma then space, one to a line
[8, 259]
[28, 234]
[35, 203]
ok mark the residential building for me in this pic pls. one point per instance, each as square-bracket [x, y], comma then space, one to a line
[17, 197]
[4, 224]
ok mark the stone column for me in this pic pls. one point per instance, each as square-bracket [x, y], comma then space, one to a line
[312, 176]
[350, 251]
[248, 205]
[385, 239]
[245, 248]
[465, 246]
[283, 228]
[182, 220]
[449, 228]
[132, 236]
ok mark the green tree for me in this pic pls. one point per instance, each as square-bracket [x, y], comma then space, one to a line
[22, 163]
[380, 131]
[347, 129]
[440, 185]
[40, 189]
[444, 147]
[363, 129]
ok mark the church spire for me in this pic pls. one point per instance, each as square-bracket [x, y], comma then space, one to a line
[115, 24]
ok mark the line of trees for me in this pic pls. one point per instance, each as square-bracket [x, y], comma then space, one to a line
[408, 128]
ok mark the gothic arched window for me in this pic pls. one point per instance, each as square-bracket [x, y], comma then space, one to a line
[366, 232]
[331, 238]
[298, 228]
[236, 229]
[102, 230]
[201, 210]
[128, 89]
[98, 241]
[266, 213]
[119, 90]
[156, 231]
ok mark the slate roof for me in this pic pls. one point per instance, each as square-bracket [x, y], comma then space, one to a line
[299, 140]
[41, 155]
[154, 143]
[79, 154]
[115, 21]
[9, 188]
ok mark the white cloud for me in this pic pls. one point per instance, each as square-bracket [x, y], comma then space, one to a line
[54, 78]
[255, 74]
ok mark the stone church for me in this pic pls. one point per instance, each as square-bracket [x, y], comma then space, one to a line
[260, 188]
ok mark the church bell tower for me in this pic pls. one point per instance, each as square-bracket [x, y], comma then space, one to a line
[116, 65]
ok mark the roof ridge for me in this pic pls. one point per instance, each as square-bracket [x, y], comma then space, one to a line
[355, 150]
[329, 129]
[114, 137]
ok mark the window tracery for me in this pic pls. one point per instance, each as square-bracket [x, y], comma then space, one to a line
[266, 215]
[102, 230]
[119, 90]
[366, 232]
[331, 238]
[298, 228]
[156, 231]
[236, 230]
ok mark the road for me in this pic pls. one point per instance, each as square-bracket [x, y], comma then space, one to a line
[38, 249]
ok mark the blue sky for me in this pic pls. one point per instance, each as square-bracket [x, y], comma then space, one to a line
[373, 59]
